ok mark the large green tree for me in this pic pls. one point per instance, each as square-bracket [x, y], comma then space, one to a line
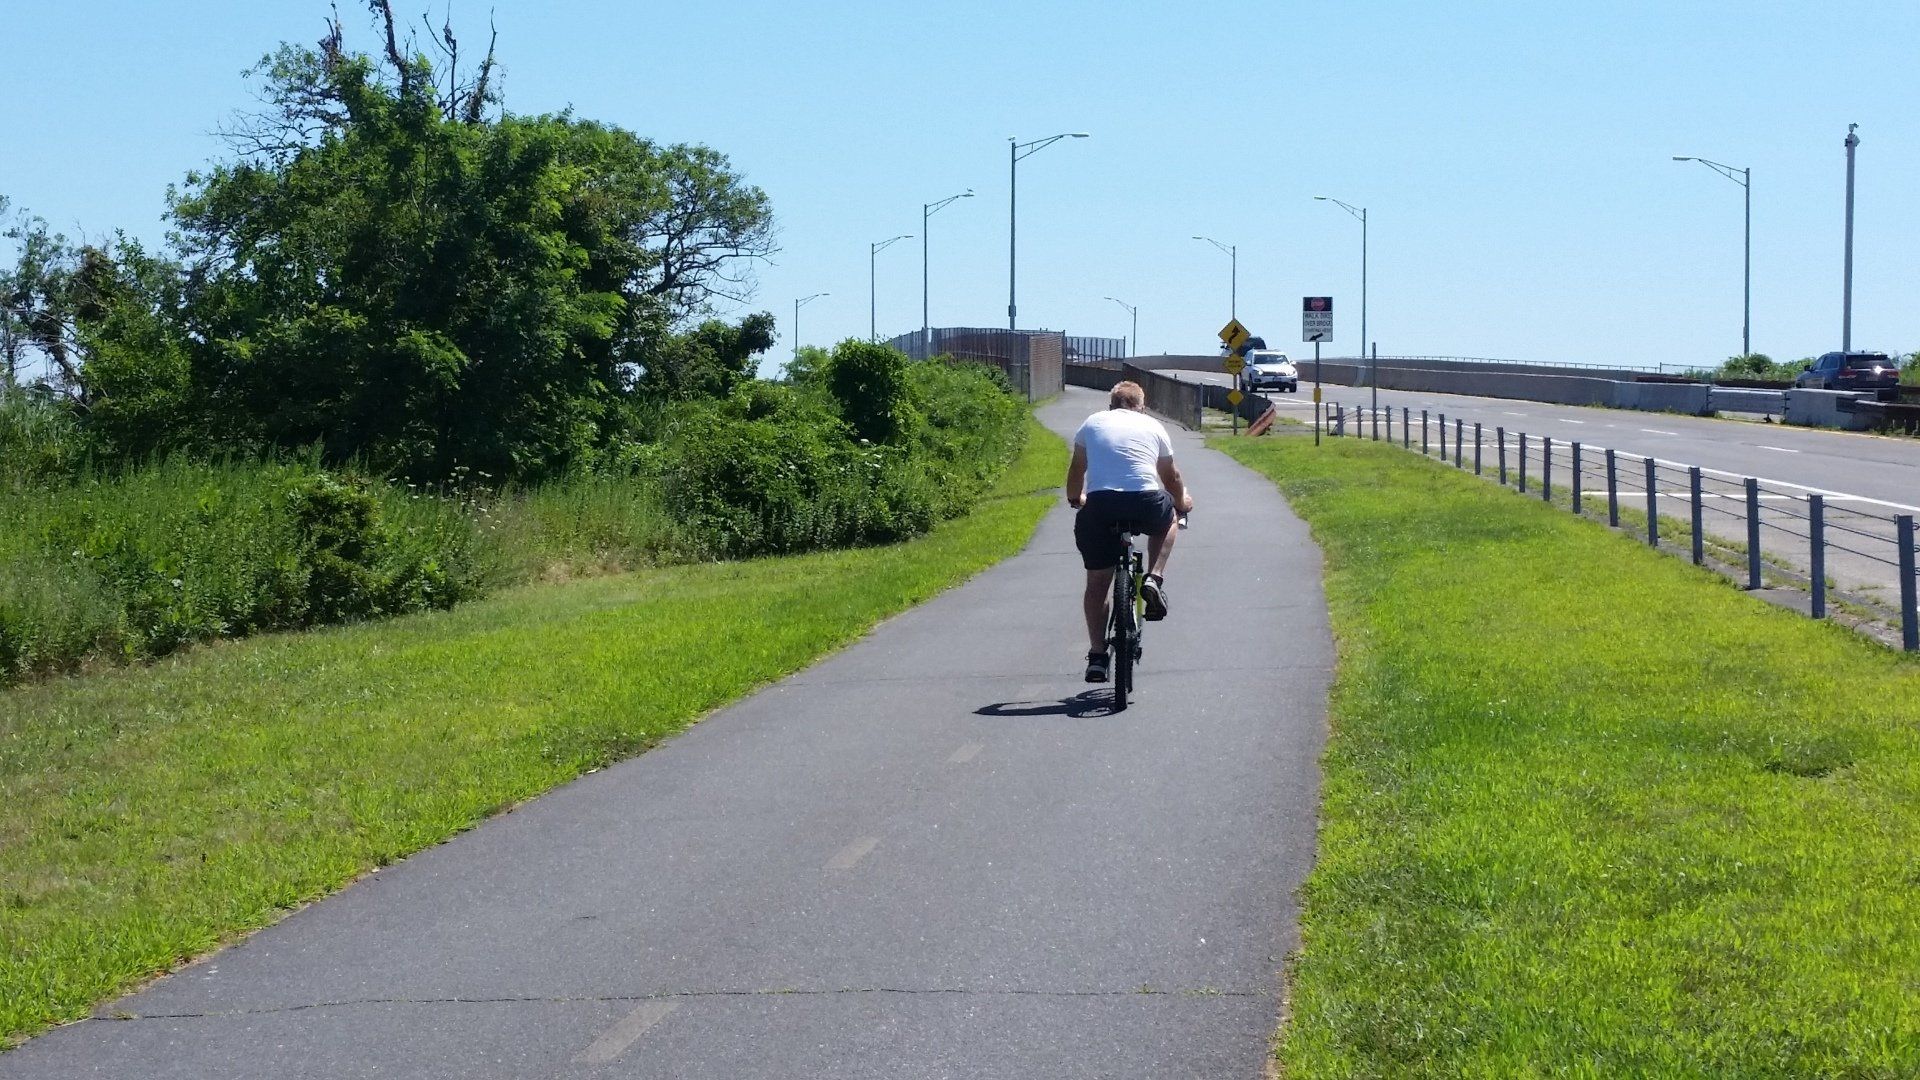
[394, 271]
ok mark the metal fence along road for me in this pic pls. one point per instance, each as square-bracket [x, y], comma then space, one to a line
[1847, 553]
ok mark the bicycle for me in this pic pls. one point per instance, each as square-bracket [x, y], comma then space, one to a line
[1124, 625]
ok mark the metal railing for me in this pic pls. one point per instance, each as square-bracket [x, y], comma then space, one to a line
[1844, 551]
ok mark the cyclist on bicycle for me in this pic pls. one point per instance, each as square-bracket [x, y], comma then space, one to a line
[1124, 482]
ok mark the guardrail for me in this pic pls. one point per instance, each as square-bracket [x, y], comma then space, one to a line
[1846, 551]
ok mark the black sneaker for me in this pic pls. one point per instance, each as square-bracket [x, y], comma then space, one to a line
[1097, 666]
[1155, 592]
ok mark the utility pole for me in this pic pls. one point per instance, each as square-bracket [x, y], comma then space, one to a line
[1846, 290]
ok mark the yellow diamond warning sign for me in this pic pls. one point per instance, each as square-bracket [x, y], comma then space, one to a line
[1234, 335]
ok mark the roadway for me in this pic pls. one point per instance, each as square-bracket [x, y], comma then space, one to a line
[1865, 479]
[933, 854]
[1877, 467]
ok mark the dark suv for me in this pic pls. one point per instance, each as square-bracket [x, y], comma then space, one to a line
[1863, 371]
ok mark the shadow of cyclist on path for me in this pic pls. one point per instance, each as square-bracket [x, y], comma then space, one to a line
[1084, 705]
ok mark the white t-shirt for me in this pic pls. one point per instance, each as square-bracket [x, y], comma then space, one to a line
[1124, 448]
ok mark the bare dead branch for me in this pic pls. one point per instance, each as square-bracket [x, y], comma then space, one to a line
[477, 100]
[384, 9]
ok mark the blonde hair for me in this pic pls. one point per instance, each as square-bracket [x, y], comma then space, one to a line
[1126, 394]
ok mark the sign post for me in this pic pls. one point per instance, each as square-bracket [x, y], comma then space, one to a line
[1316, 325]
[1234, 337]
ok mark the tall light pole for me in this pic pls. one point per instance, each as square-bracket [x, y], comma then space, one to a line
[1373, 371]
[873, 288]
[1015, 151]
[1134, 349]
[1232, 252]
[1846, 290]
[927, 210]
[1743, 177]
[797, 305]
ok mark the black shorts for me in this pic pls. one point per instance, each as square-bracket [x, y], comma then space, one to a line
[1149, 512]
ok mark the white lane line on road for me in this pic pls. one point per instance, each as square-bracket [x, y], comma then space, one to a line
[1512, 413]
[967, 753]
[1650, 431]
[853, 853]
[615, 1040]
[1776, 449]
[1564, 420]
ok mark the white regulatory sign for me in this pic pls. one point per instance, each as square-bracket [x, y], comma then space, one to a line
[1316, 318]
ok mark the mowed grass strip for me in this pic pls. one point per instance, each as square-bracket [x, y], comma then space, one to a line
[1591, 811]
[148, 815]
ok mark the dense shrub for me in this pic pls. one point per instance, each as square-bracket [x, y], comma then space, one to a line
[870, 382]
[784, 467]
[136, 564]
[40, 442]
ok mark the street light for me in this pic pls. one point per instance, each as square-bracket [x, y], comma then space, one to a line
[1373, 372]
[1134, 349]
[873, 287]
[797, 305]
[1743, 177]
[1016, 151]
[1846, 290]
[1233, 296]
[927, 210]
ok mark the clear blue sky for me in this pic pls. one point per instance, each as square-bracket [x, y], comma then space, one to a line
[1514, 156]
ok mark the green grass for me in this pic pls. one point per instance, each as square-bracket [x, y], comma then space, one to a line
[152, 813]
[1591, 811]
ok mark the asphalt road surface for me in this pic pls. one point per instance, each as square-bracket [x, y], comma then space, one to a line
[933, 854]
[1865, 480]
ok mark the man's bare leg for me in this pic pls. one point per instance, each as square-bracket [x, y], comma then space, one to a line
[1099, 586]
[1159, 547]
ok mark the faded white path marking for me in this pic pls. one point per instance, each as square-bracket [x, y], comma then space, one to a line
[1564, 420]
[1650, 431]
[853, 853]
[1776, 449]
[966, 753]
[615, 1040]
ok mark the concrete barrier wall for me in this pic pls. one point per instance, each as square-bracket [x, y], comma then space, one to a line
[1826, 408]
[1178, 401]
[1501, 381]
[1046, 357]
[1093, 377]
[1733, 399]
[1303, 358]
[1690, 399]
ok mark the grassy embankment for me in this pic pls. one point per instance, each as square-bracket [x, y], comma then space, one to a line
[1591, 811]
[152, 813]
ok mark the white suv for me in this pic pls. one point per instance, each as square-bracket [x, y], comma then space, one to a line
[1270, 369]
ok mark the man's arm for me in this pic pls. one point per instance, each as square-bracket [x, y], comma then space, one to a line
[1175, 485]
[1077, 477]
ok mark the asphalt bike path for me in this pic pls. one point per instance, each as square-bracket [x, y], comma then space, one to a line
[934, 854]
